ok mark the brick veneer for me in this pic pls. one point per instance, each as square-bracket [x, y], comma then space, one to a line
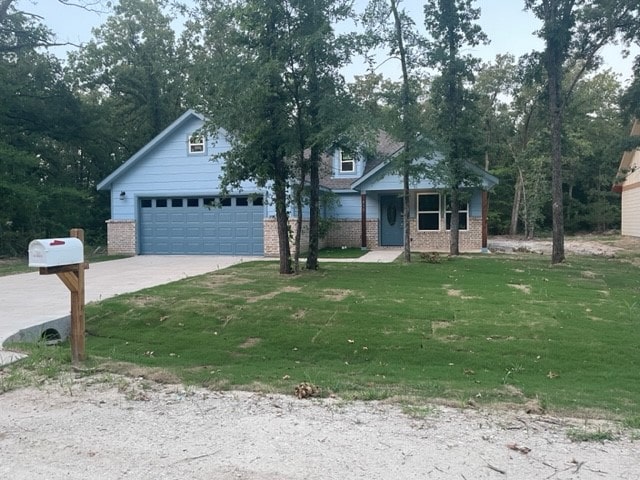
[470, 239]
[347, 233]
[121, 237]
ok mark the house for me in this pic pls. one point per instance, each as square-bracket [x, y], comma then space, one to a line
[628, 184]
[166, 199]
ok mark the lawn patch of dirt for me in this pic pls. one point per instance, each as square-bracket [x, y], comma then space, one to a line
[335, 294]
[271, 295]
[250, 342]
[523, 288]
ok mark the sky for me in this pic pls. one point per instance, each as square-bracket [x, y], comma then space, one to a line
[508, 26]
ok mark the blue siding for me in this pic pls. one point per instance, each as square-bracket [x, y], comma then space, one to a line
[350, 206]
[169, 170]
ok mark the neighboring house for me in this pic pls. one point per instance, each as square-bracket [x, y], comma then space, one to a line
[628, 184]
[166, 199]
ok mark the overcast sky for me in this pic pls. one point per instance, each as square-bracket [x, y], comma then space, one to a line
[508, 26]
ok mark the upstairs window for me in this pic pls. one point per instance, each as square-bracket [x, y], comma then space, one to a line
[347, 163]
[196, 144]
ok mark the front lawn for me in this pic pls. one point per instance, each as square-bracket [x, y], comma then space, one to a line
[476, 329]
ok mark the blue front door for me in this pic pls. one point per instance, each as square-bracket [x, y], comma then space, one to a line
[391, 223]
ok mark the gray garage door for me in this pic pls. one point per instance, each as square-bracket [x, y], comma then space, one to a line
[202, 226]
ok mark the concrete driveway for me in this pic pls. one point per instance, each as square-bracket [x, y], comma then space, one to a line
[31, 303]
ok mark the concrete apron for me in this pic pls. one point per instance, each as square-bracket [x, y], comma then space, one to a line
[34, 305]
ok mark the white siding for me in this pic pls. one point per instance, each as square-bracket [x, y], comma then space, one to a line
[631, 199]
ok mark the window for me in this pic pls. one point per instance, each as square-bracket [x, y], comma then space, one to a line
[193, 202]
[225, 202]
[176, 202]
[428, 211]
[242, 201]
[161, 202]
[258, 201]
[347, 164]
[196, 144]
[145, 203]
[463, 213]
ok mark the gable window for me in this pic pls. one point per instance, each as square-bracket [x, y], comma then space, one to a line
[428, 211]
[463, 214]
[196, 144]
[347, 164]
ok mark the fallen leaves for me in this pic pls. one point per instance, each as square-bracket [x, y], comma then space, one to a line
[518, 448]
[306, 390]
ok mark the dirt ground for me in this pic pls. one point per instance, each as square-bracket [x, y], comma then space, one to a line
[601, 245]
[114, 428]
[111, 427]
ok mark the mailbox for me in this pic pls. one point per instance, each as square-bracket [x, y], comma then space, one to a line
[53, 252]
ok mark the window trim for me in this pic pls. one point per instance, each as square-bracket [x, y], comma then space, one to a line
[460, 211]
[196, 144]
[429, 212]
[346, 158]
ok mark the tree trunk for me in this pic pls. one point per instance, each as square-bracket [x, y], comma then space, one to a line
[515, 209]
[282, 219]
[405, 110]
[454, 238]
[554, 71]
[405, 217]
[298, 233]
[314, 208]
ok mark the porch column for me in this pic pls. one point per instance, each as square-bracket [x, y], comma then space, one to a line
[363, 224]
[485, 213]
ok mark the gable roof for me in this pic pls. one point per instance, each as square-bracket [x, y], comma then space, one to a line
[385, 147]
[133, 160]
[377, 170]
[627, 158]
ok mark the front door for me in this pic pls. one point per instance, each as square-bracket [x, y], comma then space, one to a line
[391, 223]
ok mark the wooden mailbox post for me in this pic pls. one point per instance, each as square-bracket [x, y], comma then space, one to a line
[72, 275]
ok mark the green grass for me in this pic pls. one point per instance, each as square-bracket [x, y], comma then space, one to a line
[581, 435]
[13, 266]
[341, 253]
[487, 328]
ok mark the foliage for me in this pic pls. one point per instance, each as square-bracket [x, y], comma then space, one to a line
[273, 85]
[574, 34]
[133, 70]
[388, 25]
[451, 28]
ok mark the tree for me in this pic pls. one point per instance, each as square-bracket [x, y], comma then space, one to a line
[33, 37]
[44, 183]
[133, 72]
[271, 74]
[389, 25]
[242, 61]
[451, 28]
[574, 31]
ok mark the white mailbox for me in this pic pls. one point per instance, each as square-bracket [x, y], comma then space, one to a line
[53, 252]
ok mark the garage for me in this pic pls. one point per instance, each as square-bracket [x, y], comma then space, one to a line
[201, 225]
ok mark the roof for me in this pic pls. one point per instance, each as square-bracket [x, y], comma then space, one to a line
[126, 166]
[377, 169]
[386, 147]
[627, 158]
